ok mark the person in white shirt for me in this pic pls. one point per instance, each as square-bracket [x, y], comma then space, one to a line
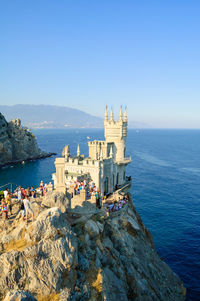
[27, 207]
[19, 194]
[5, 193]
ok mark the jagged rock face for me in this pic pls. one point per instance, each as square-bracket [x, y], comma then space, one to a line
[16, 143]
[19, 296]
[40, 258]
[56, 199]
[96, 258]
[5, 143]
[119, 261]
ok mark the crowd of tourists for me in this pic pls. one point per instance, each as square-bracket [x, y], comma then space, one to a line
[24, 198]
[90, 188]
[116, 205]
[32, 192]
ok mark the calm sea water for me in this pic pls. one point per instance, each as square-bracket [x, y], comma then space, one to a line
[166, 188]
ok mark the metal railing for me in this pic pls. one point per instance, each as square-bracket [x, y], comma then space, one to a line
[9, 185]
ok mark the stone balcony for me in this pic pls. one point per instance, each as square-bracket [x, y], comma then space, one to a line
[124, 161]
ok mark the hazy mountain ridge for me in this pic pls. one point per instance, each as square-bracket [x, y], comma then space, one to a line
[49, 116]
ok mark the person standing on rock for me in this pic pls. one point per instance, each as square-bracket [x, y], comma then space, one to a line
[32, 192]
[5, 193]
[4, 209]
[23, 192]
[98, 201]
[27, 207]
[19, 194]
[9, 203]
[22, 210]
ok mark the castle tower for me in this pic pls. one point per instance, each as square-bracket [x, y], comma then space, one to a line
[116, 131]
[125, 114]
[66, 152]
[106, 113]
[78, 151]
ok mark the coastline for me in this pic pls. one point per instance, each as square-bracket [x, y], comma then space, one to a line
[16, 162]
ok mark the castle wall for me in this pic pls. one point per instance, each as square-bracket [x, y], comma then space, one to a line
[120, 173]
[88, 166]
[113, 173]
[98, 148]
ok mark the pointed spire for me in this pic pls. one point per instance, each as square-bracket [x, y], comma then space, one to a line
[111, 115]
[78, 151]
[67, 152]
[106, 113]
[120, 114]
[125, 114]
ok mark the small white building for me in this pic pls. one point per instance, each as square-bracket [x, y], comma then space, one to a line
[106, 163]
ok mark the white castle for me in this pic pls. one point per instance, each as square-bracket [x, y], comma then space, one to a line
[106, 163]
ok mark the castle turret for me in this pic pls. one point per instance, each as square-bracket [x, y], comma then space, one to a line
[106, 113]
[120, 114]
[78, 151]
[111, 115]
[125, 115]
[116, 131]
[66, 152]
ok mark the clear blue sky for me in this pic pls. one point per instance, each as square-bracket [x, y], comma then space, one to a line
[86, 54]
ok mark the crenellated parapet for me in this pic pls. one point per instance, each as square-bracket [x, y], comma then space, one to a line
[99, 150]
[115, 129]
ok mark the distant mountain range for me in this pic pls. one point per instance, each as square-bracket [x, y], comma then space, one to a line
[49, 116]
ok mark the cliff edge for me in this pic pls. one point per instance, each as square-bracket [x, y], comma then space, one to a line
[17, 144]
[89, 256]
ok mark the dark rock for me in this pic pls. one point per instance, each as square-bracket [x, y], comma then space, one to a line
[83, 263]
[17, 144]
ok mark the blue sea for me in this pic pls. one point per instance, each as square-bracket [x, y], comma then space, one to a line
[165, 172]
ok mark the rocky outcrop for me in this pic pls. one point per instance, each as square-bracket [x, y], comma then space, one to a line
[39, 258]
[61, 256]
[56, 199]
[17, 144]
[18, 295]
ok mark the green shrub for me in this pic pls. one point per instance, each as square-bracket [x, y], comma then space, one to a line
[1, 195]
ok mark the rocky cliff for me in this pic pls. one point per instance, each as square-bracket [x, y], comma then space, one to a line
[17, 144]
[82, 256]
